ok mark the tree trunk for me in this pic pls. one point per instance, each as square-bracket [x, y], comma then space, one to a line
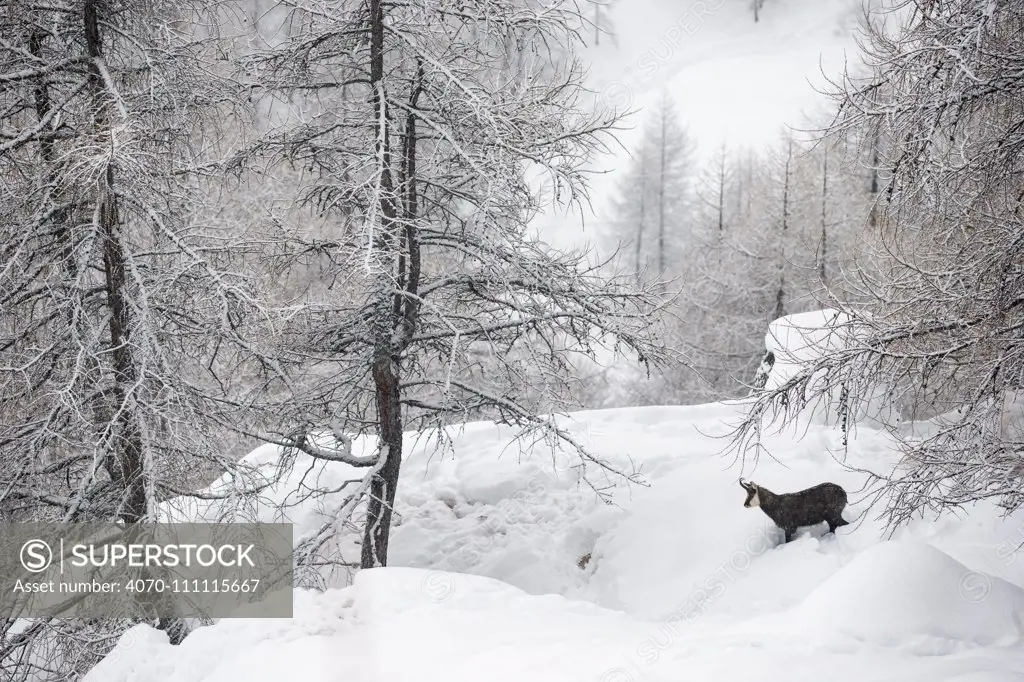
[822, 271]
[640, 224]
[721, 194]
[873, 215]
[780, 295]
[386, 323]
[127, 466]
[385, 481]
[661, 197]
[127, 440]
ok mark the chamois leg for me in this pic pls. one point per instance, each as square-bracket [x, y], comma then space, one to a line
[790, 532]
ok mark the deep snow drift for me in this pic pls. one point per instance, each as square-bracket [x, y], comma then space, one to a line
[682, 581]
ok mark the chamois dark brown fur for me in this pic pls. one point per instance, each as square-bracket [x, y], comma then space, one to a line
[822, 503]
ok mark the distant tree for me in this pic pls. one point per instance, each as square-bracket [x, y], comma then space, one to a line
[784, 219]
[756, 5]
[675, 172]
[602, 22]
[717, 182]
[768, 234]
[823, 253]
[769, 227]
[651, 215]
[632, 212]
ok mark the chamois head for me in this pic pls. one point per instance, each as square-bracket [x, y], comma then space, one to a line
[753, 499]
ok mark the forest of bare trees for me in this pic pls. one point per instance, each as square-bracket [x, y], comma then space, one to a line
[231, 223]
[934, 326]
[742, 237]
[297, 222]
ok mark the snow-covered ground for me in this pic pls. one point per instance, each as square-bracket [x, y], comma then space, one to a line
[735, 80]
[682, 583]
[505, 566]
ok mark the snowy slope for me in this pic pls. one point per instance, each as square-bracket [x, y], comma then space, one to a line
[387, 627]
[735, 82]
[683, 583]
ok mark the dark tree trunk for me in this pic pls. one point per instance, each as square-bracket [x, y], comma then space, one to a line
[873, 215]
[721, 194]
[127, 467]
[62, 220]
[822, 268]
[127, 441]
[780, 298]
[780, 295]
[385, 481]
[392, 326]
[643, 207]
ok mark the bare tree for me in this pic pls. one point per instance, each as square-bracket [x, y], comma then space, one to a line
[656, 195]
[602, 21]
[716, 182]
[784, 220]
[126, 327]
[421, 133]
[756, 5]
[940, 335]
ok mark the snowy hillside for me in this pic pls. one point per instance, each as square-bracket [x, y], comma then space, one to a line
[682, 581]
[736, 81]
[692, 48]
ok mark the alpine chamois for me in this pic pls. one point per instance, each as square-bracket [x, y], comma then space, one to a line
[789, 511]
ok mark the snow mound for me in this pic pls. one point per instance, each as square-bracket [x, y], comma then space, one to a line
[796, 341]
[392, 624]
[897, 591]
[686, 545]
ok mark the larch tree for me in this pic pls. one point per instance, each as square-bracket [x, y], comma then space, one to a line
[421, 135]
[938, 334]
[130, 343]
[602, 22]
[725, 337]
[652, 215]
[757, 6]
[768, 227]
[632, 215]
